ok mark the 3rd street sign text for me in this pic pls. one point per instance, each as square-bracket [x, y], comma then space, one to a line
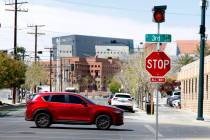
[158, 38]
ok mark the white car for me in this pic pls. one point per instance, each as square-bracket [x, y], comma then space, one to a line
[176, 103]
[123, 100]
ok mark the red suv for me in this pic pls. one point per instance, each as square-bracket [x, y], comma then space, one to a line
[69, 108]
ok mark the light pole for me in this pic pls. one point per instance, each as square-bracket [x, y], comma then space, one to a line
[201, 73]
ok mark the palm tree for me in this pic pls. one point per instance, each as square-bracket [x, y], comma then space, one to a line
[206, 50]
[21, 52]
[182, 61]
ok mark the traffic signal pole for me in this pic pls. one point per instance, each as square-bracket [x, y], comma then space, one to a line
[201, 73]
[157, 124]
[158, 17]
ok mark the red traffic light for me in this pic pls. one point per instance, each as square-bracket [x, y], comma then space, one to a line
[159, 13]
[159, 16]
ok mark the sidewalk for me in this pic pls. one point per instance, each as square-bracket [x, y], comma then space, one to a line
[168, 115]
[12, 110]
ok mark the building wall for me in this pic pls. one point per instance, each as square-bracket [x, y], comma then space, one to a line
[189, 86]
[84, 46]
[74, 70]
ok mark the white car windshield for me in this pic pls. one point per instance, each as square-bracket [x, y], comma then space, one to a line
[123, 96]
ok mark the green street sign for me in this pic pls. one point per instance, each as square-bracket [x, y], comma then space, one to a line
[158, 38]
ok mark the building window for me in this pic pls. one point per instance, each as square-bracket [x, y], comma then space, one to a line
[207, 85]
[189, 86]
[196, 86]
[192, 88]
[186, 87]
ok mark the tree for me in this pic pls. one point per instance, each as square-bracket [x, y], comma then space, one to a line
[169, 86]
[12, 72]
[114, 86]
[21, 53]
[134, 77]
[206, 50]
[182, 61]
[35, 75]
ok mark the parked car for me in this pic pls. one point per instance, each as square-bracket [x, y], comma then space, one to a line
[176, 103]
[123, 100]
[110, 99]
[174, 96]
[171, 99]
[70, 108]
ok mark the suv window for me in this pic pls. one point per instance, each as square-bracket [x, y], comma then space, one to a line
[75, 100]
[58, 98]
[123, 96]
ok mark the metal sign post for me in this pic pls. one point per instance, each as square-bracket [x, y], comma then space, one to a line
[158, 63]
[157, 125]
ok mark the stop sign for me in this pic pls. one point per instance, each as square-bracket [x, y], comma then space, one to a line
[158, 63]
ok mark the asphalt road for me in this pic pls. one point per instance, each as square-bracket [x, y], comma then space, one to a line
[136, 127]
[174, 125]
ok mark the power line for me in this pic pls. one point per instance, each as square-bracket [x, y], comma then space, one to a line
[128, 10]
[15, 9]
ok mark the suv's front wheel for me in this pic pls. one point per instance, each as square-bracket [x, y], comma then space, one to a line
[103, 122]
[42, 120]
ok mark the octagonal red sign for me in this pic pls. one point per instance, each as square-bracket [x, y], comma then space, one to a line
[158, 64]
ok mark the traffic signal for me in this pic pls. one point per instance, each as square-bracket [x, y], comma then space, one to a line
[159, 13]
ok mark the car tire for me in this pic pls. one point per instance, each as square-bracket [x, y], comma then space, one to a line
[42, 120]
[103, 122]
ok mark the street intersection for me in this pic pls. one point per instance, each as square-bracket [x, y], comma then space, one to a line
[174, 124]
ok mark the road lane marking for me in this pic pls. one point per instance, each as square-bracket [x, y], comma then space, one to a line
[151, 129]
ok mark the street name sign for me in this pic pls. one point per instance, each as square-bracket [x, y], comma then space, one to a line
[158, 38]
[158, 64]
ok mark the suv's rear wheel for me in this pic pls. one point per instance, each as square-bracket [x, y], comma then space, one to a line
[42, 120]
[103, 122]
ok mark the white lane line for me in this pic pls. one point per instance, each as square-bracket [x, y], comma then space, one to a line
[151, 129]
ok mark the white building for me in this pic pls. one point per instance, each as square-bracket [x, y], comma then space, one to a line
[115, 51]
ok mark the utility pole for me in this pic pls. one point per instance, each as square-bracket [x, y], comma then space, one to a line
[202, 47]
[51, 54]
[36, 34]
[61, 72]
[16, 9]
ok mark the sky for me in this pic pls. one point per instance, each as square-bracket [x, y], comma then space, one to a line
[110, 18]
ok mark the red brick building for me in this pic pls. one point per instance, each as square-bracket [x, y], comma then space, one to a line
[90, 73]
